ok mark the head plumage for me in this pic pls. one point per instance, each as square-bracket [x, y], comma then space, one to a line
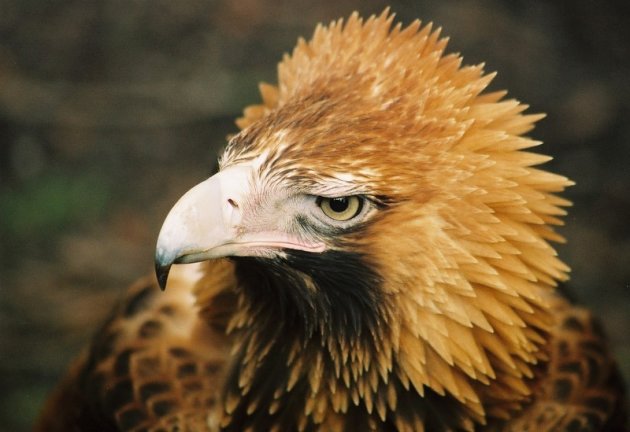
[465, 248]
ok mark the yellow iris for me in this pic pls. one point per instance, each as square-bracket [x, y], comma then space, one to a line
[342, 208]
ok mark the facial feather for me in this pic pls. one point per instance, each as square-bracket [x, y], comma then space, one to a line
[379, 246]
[462, 249]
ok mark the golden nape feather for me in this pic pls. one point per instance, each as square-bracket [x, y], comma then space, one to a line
[377, 255]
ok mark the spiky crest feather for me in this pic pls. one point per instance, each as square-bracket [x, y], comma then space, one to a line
[464, 254]
[447, 291]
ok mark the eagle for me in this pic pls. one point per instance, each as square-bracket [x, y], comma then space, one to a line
[375, 252]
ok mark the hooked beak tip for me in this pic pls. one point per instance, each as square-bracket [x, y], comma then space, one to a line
[163, 262]
[161, 272]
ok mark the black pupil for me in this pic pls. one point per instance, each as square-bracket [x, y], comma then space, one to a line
[339, 205]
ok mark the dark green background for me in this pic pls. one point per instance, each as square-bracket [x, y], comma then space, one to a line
[111, 109]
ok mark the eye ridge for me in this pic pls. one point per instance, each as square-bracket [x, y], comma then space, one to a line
[341, 208]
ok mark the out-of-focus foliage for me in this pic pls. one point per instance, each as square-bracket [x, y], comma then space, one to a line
[49, 204]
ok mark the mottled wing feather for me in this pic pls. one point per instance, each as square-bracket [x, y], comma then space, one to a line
[582, 390]
[154, 366]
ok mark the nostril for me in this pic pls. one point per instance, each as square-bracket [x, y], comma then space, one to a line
[232, 203]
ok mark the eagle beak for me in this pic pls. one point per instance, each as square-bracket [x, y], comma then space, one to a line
[203, 223]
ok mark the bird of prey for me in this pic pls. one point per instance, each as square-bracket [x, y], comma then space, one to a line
[374, 253]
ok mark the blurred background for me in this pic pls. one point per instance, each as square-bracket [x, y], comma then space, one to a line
[111, 109]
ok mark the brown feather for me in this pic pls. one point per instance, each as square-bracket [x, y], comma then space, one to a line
[471, 333]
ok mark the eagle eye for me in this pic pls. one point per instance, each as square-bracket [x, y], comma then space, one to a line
[341, 208]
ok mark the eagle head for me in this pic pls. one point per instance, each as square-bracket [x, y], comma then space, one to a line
[385, 223]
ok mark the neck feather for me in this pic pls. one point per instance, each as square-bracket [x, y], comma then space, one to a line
[323, 349]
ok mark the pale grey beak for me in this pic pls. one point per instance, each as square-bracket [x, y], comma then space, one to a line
[203, 223]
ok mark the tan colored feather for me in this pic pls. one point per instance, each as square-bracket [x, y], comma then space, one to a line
[471, 316]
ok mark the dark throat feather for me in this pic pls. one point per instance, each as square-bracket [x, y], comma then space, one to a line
[314, 337]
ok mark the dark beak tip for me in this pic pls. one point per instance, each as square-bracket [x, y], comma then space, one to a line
[161, 272]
